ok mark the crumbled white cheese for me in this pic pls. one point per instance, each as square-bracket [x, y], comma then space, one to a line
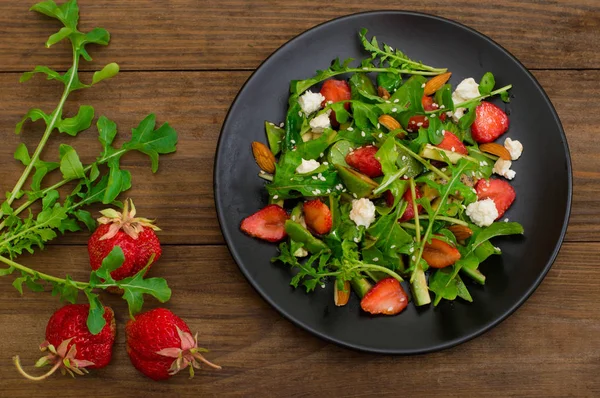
[502, 167]
[320, 123]
[307, 166]
[363, 212]
[310, 102]
[300, 252]
[514, 147]
[483, 212]
[466, 90]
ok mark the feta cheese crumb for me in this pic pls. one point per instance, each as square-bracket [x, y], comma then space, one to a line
[466, 90]
[514, 147]
[300, 252]
[320, 123]
[502, 167]
[483, 212]
[363, 212]
[307, 166]
[375, 259]
[310, 102]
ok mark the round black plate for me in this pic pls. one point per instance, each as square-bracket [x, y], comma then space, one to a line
[543, 183]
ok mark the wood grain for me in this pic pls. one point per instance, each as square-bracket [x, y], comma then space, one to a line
[233, 34]
[550, 345]
[180, 195]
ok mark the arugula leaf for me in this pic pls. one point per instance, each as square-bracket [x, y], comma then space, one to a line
[110, 70]
[362, 89]
[389, 81]
[74, 125]
[435, 131]
[274, 136]
[34, 115]
[50, 74]
[152, 142]
[95, 320]
[70, 165]
[118, 181]
[136, 286]
[107, 130]
[487, 83]
[297, 87]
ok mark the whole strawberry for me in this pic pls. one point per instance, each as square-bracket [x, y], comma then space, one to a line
[70, 345]
[160, 344]
[134, 235]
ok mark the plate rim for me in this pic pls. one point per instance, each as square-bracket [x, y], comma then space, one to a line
[390, 351]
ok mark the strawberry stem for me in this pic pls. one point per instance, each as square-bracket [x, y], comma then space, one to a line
[17, 362]
[206, 361]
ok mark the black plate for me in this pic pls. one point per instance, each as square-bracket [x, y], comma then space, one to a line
[543, 183]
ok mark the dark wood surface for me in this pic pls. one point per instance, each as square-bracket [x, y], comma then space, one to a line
[185, 60]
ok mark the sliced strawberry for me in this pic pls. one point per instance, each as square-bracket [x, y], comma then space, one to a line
[500, 191]
[452, 143]
[335, 91]
[389, 198]
[443, 116]
[363, 159]
[490, 123]
[409, 213]
[439, 254]
[267, 223]
[317, 216]
[429, 104]
[386, 297]
[417, 121]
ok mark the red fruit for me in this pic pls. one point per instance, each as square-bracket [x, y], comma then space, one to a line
[415, 122]
[452, 143]
[440, 254]
[490, 123]
[134, 235]
[442, 116]
[500, 191]
[160, 344]
[267, 224]
[68, 338]
[363, 159]
[389, 198]
[429, 104]
[386, 297]
[335, 91]
[409, 213]
[317, 216]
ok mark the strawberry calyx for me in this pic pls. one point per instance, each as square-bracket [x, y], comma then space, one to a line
[126, 220]
[187, 355]
[60, 358]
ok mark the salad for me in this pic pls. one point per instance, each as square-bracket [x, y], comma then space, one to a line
[383, 177]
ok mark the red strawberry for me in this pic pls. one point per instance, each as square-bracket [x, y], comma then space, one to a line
[160, 344]
[452, 143]
[335, 91]
[71, 346]
[134, 235]
[317, 216]
[490, 123]
[267, 224]
[363, 159]
[439, 254]
[415, 122]
[409, 213]
[429, 104]
[500, 191]
[386, 297]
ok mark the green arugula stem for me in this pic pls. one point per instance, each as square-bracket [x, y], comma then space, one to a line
[413, 193]
[424, 162]
[471, 101]
[435, 71]
[383, 187]
[55, 116]
[41, 275]
[449, 219]
[374, 267]
[410, 226]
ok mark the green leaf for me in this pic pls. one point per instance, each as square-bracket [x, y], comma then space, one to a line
[74, 125]
[50, 199]
[443, 285]
[496, 229]
[22, 154]
[86, 218]
[487, 83]
[95, 320]
[389, 81]
[70, 165]
[58, 36]
[107, 130]
[67, 13]
[152, 142]
[6, 271]
[98, 36]
[118, 181]
[34, 114]
[50, 74]
[435, 132]
[33, 285]
[136, 286]
[107, 72]
[18, 283]
[67, 291]
[505, 96]
[111, 262]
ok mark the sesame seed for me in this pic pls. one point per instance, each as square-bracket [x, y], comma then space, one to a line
[380, 135]
[453, 149]
[423, 85]
[300, 113]
[275, 197]
[444, 169]
[394, 109]
[293, 141]
[326, 163]
[396, 101]
[412, 249]
[506, 220]
[356, 240]
[378, 125]
[314, 177]
[350, 129]
[271, 124]
[419, 124]
[362, 133]
[375, 259]
[329, 102]
[442, 106]
[321, 154]
[432, 115]
[392, 246]
[365, 68]
[387, 102]
[353, 194]
[281, 124]
[425, 118]
[413, 258]
[404, 158]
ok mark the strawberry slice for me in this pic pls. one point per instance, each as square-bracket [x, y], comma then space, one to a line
[363, 159]
[317, 216]
[267, 224]
[409, 213]
[490, 123]
[439, 254]
[417, 121]
[429, 104]
[335, 91]
[452, 143]
[500, 191]
[386, 297]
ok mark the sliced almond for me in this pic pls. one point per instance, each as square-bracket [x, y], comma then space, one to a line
[341, 297]
[461, 232]
[383, 93]
[436, 82]
[496, 149]
[389, 122]
[263, 156]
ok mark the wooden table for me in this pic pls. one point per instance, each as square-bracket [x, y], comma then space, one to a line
[185, 60]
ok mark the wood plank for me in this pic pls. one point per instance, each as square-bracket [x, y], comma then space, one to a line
[549, 347]
[180, 195]
[192, 34]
